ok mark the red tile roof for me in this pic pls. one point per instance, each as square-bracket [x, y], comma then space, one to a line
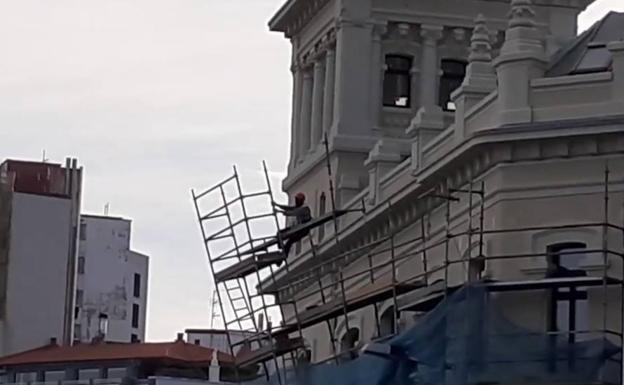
[179, 351]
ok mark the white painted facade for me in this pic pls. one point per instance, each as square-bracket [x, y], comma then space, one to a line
[37, 261]
[538, 138]
[216, 339]
[112, 280]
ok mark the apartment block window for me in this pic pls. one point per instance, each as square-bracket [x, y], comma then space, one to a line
[83, 231]
[137, 285]
[135, 315]
[453, 73]
[397, 81]
[134, 338]
[81, 265]
[79, 297]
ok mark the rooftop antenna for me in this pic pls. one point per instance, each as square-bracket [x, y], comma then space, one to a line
[106, 208]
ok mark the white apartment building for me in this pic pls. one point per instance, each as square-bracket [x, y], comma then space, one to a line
[112, 281]
[422, 99]
[39, 216]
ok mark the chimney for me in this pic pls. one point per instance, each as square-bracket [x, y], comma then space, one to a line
[180, 337]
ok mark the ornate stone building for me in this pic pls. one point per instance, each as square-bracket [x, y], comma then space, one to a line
[437, 111]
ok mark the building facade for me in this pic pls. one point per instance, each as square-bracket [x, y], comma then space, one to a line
[472, 130]
[39, 217]
[112, 282]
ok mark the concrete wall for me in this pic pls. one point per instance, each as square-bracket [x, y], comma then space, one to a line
[41, 232]
[108, 280]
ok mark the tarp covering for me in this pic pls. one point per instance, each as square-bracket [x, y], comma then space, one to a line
[467, 340]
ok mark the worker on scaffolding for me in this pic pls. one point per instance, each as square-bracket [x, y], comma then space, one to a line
[302, 215]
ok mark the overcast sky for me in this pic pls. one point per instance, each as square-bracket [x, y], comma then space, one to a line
[154, 97]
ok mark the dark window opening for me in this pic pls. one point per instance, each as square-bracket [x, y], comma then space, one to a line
[563, 259]
[453, 73]
[568, 312]
[134, 338]
[397, 84]
[137, 285]
[135, 315]
[196, 342]
[598, 58]
[321, 211]
[81, 265]
[387, 323]
[348, 344]
[79, 297]
[83, 231]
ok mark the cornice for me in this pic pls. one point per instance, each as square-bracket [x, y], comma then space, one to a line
[294, 15]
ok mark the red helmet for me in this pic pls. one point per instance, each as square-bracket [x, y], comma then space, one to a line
[300, 198]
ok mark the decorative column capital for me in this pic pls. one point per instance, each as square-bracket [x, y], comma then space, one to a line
[521, 14]
[379, 30]
[430, 33]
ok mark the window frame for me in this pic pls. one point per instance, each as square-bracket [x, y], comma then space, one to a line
[136, 285]
[135, 321]
[452, 78]
[399, 73]
[572, 296]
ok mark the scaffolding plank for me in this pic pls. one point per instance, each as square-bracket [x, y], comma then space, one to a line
[248, 266]
[427, 298]
[549, 283]
[304, 228]
[297, 230]
[369, 295]
[280, 347]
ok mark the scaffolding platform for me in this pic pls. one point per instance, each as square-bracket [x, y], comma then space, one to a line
[265, 353]
[297, 231]
[369, 295]
[426, 298]
[249, 266]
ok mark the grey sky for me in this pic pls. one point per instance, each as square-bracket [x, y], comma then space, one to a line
[154, 97]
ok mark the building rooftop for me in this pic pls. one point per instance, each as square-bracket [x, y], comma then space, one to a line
[179, 352]
[588, 53]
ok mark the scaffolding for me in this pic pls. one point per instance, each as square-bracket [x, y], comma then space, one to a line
[251, 255]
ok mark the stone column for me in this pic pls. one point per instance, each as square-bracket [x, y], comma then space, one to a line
[305, 115]
[429, 65]
[295, 137]
[328, 97]
[377, 73]
[317, 103]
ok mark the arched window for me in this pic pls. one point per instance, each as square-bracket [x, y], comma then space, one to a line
[564, 259]
[453, 73]
[397, 81]
[387, 323]
[348, 342]
[321, 211]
